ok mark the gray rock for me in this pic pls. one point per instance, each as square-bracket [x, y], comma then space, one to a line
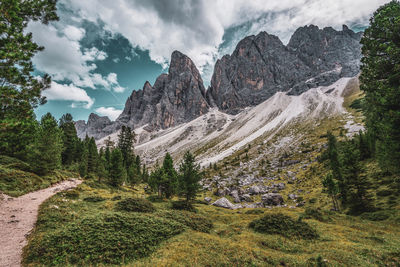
[208, 199]
[254, 190]
[225, 203]
[272, 199]
[235, 195]
[96, 126]
[246, 198]
[279, 186]
[292, 196]
[262, 65]
[253, 205]
[300, 204]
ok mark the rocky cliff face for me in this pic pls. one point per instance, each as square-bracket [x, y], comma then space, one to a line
[176, 97]
[261, 65]
[96, 127]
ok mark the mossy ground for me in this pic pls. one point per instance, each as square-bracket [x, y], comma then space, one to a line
[343, 240]
[17, 178]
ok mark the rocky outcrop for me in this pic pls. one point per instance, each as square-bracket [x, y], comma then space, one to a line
[96, 126]
[272, 199]
[225, 203]
[175, 98]
[262, 65]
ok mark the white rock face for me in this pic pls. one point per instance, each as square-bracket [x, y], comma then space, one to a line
[225, 203]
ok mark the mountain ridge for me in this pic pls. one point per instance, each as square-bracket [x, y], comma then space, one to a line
[260, 66]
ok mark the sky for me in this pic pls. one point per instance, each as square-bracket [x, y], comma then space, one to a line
[101, 50]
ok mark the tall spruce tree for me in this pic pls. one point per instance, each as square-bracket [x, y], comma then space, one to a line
[48, 146]
[380, 80]
[93, 156]
[170, 176]
[70, 139]
[189, 178]
[334, 165]
[20, 91]
[117, 171]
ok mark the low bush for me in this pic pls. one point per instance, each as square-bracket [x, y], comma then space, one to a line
[116, 198]
[14, 163]
[376, 216]
[283, 225]
[254, 211]
[182, 205]
[194, 221]
[106, 238]
[16, 182]
[94, 199]
[155, 198]
[72, 194]
[135, 204]
[384, 193]
[313, 213]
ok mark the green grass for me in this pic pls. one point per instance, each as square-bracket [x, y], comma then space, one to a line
[16, 182]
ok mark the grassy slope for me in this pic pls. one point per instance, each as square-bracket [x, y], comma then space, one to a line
[16, 177]
[344, 240]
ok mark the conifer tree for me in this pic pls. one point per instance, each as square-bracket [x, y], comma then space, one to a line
[93, 156]
[69, 138]
[117, 170]
[189, 178]
[334, 165]
[380, 80]
[48, 146]
[170, 176]
[20, 91]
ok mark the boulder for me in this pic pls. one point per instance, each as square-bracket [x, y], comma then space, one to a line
[207, 199]
[292, 196]
[246, 198]
[254, 190]
[235, 195]
[225, 203]
[272, 199]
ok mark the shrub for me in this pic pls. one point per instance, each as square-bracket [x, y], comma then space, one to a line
[94, 199]
[106, 238]
[182, 205]
[135, 204]
[283, 225]
[72, 194]
[313, 213]
[376, 216]
[116, 198]
[254, 211]
[14, 163]
[194, 221]
[155, 198]
[384, 193]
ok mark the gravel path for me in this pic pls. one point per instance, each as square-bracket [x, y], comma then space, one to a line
[18, 217]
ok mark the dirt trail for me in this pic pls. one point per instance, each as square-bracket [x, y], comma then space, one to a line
[18, 217]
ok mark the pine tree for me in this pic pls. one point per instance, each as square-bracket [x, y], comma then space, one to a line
[380, 80]
[70, 139]
[20, 91]
[48, 146]
[334, 165]
[189, 178]
[359, 199]
[156, 180]
[169, 176]
[117, 170]
[126, 139]
[93, 156]
[331, 187]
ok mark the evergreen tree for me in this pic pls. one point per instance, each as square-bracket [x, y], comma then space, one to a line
[20, 91]
[117, 170]
[334, 165]
[48, 146]
[126, 139]
[169, 176]
[83, 163]
[357, 185]
[331, 187]
[93, 156]
[156, 180]
[69, 138]
[380, 80]
[189, 178]
[107, 158]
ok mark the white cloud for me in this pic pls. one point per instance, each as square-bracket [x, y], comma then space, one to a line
[69, 93]
[110, 112]
[116, 60]
[73, 33]
[93, 54]
[196, 28]
[62, 57]
[119, 89]
[112, 78]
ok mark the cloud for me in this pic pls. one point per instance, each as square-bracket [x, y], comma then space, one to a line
[119, 89]
[197, 28]
[69, 93]
[110, 112]
[112, 78]
[63, 58]
[73, 33]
